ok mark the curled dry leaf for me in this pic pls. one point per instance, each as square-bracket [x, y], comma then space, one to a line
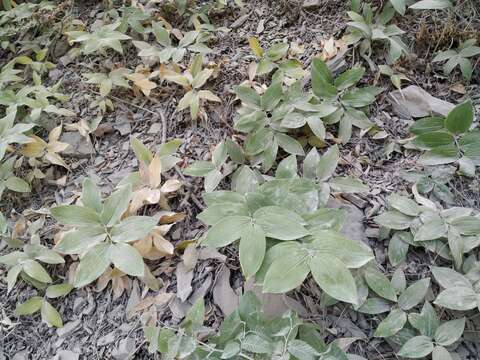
[120, 282]
[154, 246]
[48, 151]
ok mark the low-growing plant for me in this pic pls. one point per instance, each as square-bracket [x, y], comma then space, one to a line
[459, 57]
[450, 139]
[100, 235]
[11, 133]
[395, 77]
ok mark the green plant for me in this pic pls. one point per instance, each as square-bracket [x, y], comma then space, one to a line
[395, 77]
[430, 226]
[106, 82]
[366, 29]
[217, 169]
[10, 133]
[247, 333]
[8, 180]
[344, 97]
[106, 37]
[447, 140]
[459, 57]
[168, 51]
[100, 235]
[192, 80]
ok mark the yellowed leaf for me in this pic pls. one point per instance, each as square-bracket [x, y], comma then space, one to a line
[155, 171]
[171, 185]
[255, 46]
[55, 134]
[35, 148]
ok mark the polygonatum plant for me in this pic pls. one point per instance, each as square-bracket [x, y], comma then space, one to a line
[341, 93]
[37, 303]
[246, 333]
[459, 57]
[366, 29]
[11, 133]
[217, 169]
[100, 236]
[448, 232]
[8, 180]
[192, 80]
[106, 82]
[284, 234]
[450, 139]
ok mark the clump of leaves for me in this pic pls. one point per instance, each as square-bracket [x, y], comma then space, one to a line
[366, 29]
[192, 80]
[430, 226]
[107, 82]
[217, 169]
[347, 100]
[395, 77]
[447, 140]
[459, 57]
[38, 303]
[106, 37]
[101, 236]
[10, 133]
[246, 333]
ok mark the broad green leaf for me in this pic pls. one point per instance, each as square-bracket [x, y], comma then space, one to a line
[334, 278]
[219, 155]
[212, 179]
[322, 80]
[115, 205]
[141, 151]
[127, 259]
[257, 344]
[286, 272]
[55, 291]
[16, 184]
[440, 353]
[133, 228]
[231, 349]
[433, 139]
[399, 281]
[353, 254]
[252, 249]
[399, 6]
[289, 144]
[195, 316]
[248, 96]
[199, 168]
[91, 196]
[392, 324]
[245, 180]
[431, 230]
[328, 163]
[460, 298]
[50, 315]
[380, 284]
[310, 164]
[271, 97]
[403, 204]
[92, 265]
[467, 225]
[455, 243]
[427, 125]
[76, 241]
[302, 350]
[460, 118]
[431, 5]
[30, 306]
[426, 322]
[287, 168]
[444, 154]
[417, 347]
[414, 294]
[374, 306]
[448, 278]
[235, 151]
[12, 276]
[394, 220]
[397, 250]
[75, 215]
[348, 184]
[349, 78]
[449, 332]
[36, 271]
[280, 223]
[226, 231]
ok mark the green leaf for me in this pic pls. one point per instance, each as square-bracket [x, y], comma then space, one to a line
[50, 315]
[433, 139]
[75, 215]
[231, 349]
[348, 184]
[12, 276]
[16, 184]
[392, 324]
[431, 230]
[449, 332]
[252, 249]
[235, 151]
[212, 179]
[76, 241]
[394, 220]
[256, 344]
[271, 97]
[448, 278]
[427, 125]
[195, 316]
[467, 225]
[417, 347]
[440, 353]
[115, 205]
[133, 228]
[397, 250]
[141, 151]
[431, 5]
[322, 80]
[301, 350]
[460, 118]
[440, 155]
[328, 163]
[414, 294]
[380, 284]
[399, 6]
[248, 95]
[127, 259]
[456, 245]
[374, 306]
[289, 144]
[334, 278]
[226, 231]
[286, 272]
[91, 196]
[403, 204]
[92, 265]
[280, 223]
[55, 291]
[426, 322]
[460, 298]
[30, 306]
[36, 271]
[349, 78]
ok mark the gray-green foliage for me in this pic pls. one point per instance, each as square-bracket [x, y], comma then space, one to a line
[100, 235]
[246, 333]
[450, 139]
[459, 57]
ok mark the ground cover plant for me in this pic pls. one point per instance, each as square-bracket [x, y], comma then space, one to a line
[213, 179]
